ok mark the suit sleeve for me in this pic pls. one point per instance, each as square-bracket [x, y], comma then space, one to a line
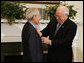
[68, 39]
[45, 31]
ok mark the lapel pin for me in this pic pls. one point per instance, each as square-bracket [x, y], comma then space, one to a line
[62, 26]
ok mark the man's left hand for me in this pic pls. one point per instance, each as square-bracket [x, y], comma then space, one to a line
[40, 34]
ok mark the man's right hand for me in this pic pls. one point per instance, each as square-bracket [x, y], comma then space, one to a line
[46, 40]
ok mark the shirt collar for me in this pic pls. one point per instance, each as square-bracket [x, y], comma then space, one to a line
[32, 24]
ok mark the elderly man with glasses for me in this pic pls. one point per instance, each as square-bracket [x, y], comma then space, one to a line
[61, 32]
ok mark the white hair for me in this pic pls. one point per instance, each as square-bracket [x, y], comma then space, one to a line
[30, 13]
[66, 11]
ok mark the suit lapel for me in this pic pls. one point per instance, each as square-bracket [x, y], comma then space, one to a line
[63, 26]
[54, 28]
[33, 28]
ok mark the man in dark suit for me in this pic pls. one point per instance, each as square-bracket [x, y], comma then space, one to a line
[31, 40]
[61, 32]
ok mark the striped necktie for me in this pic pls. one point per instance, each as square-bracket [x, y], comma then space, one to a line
[57, 28]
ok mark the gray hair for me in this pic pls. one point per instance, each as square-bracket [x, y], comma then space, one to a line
[30, 13]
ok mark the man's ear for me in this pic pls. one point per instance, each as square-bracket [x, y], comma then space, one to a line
[34, 17]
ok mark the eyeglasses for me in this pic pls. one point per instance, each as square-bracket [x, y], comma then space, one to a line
[58, 16]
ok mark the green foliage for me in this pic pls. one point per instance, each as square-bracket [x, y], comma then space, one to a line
[52, 9]
[11, 11]
[73, 12]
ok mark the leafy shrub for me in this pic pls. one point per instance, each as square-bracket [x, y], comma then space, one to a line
[11, 11]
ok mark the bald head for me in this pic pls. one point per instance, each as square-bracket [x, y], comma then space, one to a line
[63, 9]
[62, 13]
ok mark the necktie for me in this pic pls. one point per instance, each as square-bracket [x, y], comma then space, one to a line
[57, 28]
[36, 28]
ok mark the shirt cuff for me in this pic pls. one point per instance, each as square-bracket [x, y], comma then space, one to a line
[50, 43]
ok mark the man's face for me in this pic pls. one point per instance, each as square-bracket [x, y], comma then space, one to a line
[37, 18]
[60, 16]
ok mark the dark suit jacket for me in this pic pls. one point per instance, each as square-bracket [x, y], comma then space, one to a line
[61, 48]
[32, 44]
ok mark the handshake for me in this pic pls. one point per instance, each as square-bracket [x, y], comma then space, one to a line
[44, 39]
